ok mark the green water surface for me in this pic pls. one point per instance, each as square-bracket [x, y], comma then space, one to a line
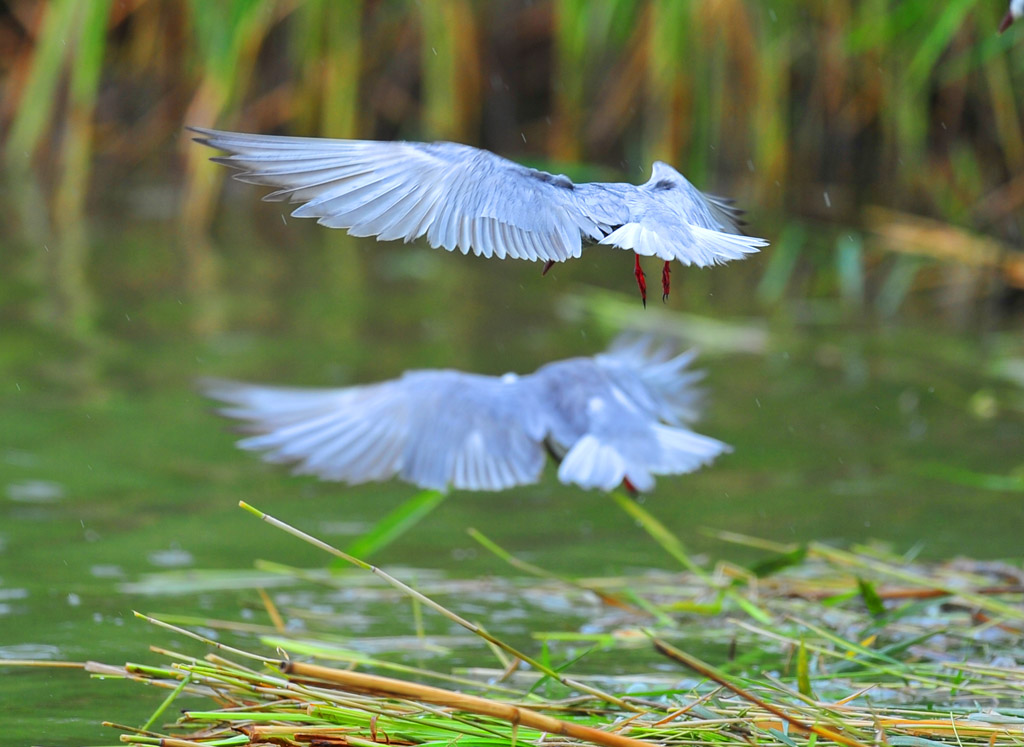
[111, 466]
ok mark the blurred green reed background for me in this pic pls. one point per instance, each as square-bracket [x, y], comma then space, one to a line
[818, 110]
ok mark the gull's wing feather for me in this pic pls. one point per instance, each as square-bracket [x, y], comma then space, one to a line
[656, 377]
[474, 432]
[458, 196]
[434, 429]
[724, 211]
[352, 435]
[603, 460]
[603, 413]
[662, 233]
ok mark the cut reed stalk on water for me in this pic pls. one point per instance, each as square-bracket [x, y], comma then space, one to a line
[377, 685]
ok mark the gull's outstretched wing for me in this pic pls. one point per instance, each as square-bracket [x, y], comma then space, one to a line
[656, 376]
[605, 414]
[672, 219]
[458, 196]
[434, 429]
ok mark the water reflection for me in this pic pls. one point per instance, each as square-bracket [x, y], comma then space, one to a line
[173, 557]
[38, 651]
[35, 491]
[55, 255]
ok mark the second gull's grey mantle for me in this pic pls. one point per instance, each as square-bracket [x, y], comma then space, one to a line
[472, 200]
[618, 417]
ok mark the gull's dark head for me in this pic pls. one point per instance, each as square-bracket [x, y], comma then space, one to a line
[665, 177]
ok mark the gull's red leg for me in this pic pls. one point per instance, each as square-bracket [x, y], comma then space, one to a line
[547, 266]
[638, 273]
[666, 281]
[630, 488]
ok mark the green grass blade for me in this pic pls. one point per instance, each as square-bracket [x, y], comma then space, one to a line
[850, 269]
[803, 671]
[40, 93]
[971, 479]
[166, 702]
[897, 285]
[394, 525]
[872, 601]
[782, 262]
[658, 531]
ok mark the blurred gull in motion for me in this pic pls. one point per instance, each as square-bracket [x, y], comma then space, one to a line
[465, 198]
[618, 418]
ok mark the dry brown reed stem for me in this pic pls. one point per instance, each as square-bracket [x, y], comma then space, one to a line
[130, 729]
[272, 611]
[377, 685]
[202, 639]
[898, 593]
[706, 670]
[844, 558]
[44, 664]
[913, 234]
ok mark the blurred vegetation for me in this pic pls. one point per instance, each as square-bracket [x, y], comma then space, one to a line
[810, 109]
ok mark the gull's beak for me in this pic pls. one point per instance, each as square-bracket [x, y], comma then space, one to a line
[1005, 23]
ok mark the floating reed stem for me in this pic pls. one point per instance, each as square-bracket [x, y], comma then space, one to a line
[706, 670]
[377, 685]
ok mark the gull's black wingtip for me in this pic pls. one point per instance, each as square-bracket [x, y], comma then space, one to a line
[222, 160]
[205, 135]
